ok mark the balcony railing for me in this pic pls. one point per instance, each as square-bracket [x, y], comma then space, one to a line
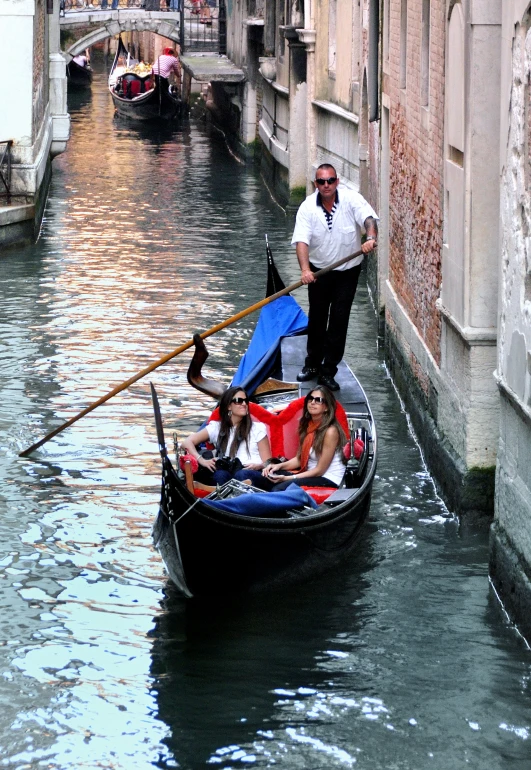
[5, 170]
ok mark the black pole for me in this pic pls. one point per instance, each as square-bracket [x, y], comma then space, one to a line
[222, 21]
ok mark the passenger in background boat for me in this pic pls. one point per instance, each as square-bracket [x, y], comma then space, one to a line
[235, 437]
[320, 461]
[328, 228]
[81, 59]
[167, 63]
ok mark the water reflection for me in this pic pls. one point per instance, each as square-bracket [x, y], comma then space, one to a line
[397, 659]
[259, 702]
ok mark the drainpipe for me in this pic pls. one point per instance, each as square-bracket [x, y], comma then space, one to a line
[374, 39]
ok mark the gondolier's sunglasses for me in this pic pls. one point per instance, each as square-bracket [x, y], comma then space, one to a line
[317, 399]
[240, 401]
[330, 180]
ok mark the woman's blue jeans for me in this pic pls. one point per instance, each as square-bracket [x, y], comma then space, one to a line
[255, 477]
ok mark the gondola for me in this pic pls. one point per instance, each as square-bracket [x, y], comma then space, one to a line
[231, 540]
[77, 75]
[137, 96]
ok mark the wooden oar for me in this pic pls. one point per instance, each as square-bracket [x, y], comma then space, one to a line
[181, 349]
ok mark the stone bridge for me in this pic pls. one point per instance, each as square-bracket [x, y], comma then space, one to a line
[109, 23]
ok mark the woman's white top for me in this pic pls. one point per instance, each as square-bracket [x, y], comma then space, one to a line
[334, 472]
[258, 432]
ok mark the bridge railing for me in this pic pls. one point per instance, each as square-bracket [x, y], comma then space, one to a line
[69, 6]
[5, 170]
[204, 26]
[202, 23]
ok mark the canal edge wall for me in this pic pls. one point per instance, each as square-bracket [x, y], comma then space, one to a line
[20, 223]
[36, 125]
[467, 491]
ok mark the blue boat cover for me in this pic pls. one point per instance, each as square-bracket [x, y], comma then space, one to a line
[282, 318]
[265, 504]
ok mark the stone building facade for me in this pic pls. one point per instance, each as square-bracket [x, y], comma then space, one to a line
[315, 105]
[511, 531]
[34, 118]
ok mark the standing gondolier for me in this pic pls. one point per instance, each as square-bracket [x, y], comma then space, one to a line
[327, 228]
[166, 63]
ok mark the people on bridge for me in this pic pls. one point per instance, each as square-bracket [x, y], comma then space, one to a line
[166, 64]
[241, 444]
[205, 15]
[114, 5]
[328, 228]
[320, 461]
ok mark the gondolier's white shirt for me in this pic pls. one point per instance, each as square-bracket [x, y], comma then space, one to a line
[258, 432]
[327, 246]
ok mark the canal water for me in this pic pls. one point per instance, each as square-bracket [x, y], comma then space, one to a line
[400, 659]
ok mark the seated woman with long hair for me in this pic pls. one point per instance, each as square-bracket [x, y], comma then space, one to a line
[319, 461]
[235, 435]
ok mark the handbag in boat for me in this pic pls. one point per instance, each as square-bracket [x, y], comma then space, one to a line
[230, 464]
[223, 463]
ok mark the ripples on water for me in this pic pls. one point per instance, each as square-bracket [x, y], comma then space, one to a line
[400, 659]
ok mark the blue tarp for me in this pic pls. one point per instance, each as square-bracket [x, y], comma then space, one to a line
[265, 504]
[282, 318]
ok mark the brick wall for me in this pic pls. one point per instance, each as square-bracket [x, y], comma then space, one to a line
[416, 171]
[40, 59]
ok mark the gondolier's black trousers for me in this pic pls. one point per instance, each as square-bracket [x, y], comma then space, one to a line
[330, 298]
[162, 83]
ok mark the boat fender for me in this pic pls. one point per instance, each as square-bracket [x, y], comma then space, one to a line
[359, 446]
[184, 459]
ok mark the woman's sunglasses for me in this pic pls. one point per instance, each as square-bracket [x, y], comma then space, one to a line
[240, 401]
[330, 180]
[317, 399]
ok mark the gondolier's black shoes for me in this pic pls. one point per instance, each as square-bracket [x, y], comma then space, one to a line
[328, 381]
[307, 373]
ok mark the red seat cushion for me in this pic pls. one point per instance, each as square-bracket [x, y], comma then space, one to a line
[201, 492]
[282, 427]
[320, 494]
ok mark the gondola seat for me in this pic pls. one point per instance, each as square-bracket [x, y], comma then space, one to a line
[283, 437]
[282, 426]
[320, 494]
[134, 88]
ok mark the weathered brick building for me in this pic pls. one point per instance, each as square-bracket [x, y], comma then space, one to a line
[438, 281]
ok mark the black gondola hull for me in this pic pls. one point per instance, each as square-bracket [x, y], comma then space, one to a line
[154, 105]
[78, 76]
[207, 551]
